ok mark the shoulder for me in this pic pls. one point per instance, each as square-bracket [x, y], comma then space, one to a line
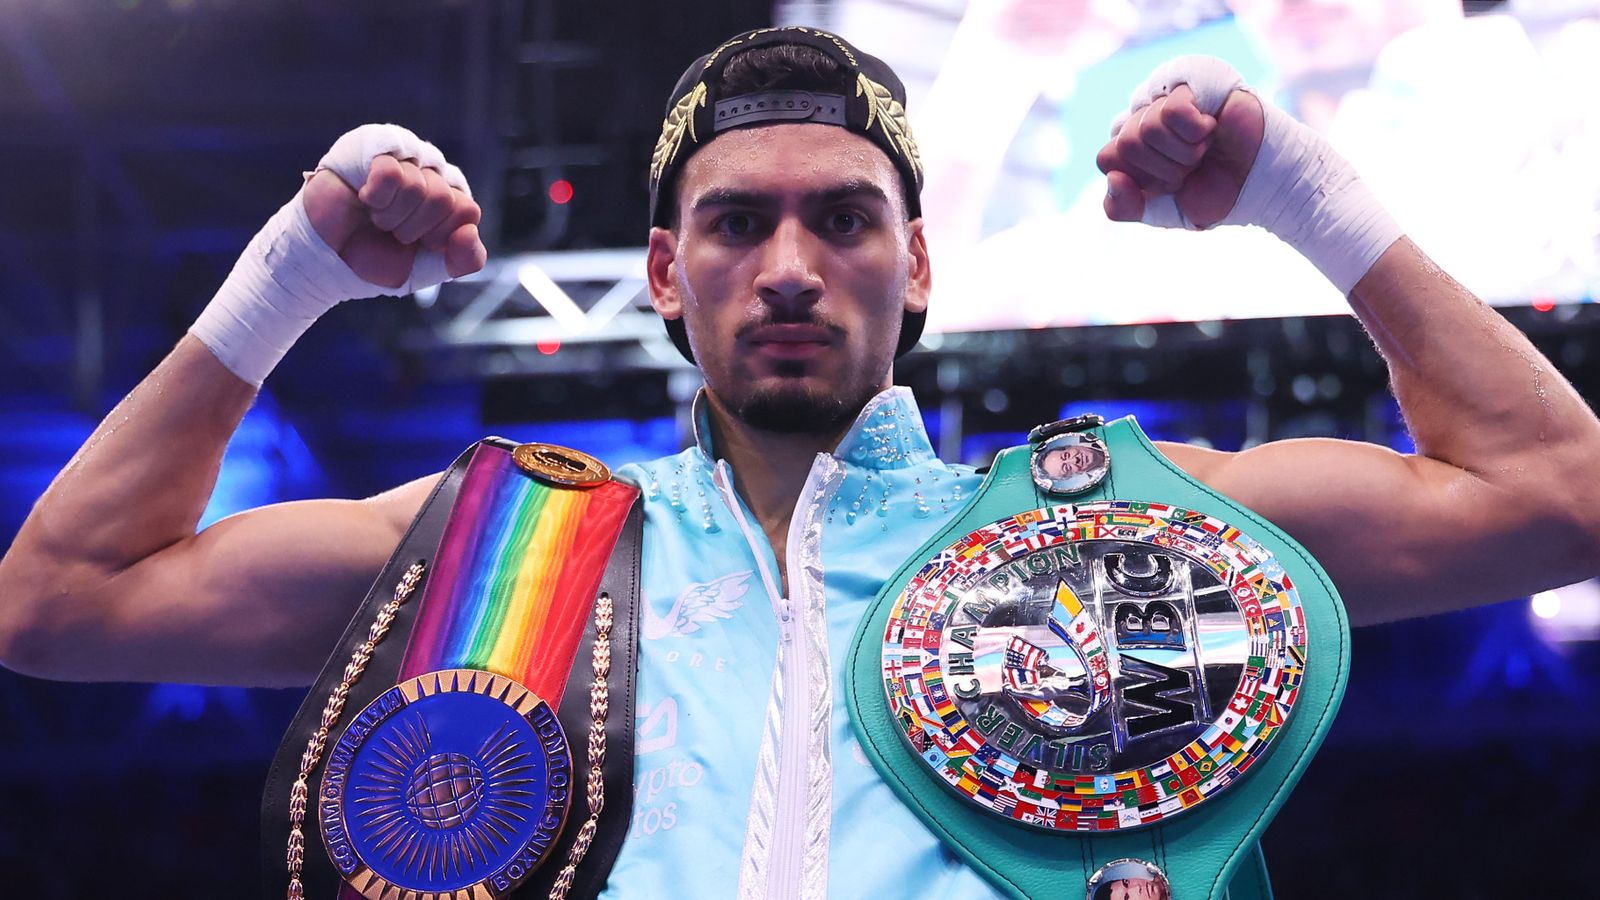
[1200, 463]
[395, 509]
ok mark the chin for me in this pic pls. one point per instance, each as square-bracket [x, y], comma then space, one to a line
[799, 406]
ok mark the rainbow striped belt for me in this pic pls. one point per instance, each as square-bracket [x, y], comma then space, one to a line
[456, 782]
[516, 574]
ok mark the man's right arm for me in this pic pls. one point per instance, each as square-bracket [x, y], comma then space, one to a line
[107, 579]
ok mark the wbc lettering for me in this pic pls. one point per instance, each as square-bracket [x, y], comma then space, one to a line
[1069, 663]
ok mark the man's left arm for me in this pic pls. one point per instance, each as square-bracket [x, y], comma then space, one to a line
[1503, 496]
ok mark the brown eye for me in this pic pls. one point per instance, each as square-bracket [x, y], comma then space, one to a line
[846, 222]
[735, 224]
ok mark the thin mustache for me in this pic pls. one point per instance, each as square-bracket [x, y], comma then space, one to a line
[811, 320]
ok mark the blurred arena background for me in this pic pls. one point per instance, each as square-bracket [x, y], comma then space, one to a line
[142, 142]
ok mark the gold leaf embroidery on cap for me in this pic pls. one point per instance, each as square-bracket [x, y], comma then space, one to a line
[888, 112]
[751, 35]
[679, 121]
[837, 43]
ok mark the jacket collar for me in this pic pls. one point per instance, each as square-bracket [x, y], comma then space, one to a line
[887, 434]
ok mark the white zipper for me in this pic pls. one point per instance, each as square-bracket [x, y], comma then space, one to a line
[785, 869]
[786, 874]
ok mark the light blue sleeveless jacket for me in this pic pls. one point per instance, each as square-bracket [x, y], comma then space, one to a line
[748, 780]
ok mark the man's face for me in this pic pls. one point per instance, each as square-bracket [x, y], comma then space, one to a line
[791, 266]
[1137, 889]
[1065, 462]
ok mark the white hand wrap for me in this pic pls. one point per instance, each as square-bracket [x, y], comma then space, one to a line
[288, 276]
[1299, 189]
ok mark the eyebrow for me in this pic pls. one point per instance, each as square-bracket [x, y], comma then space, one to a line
[847, 190]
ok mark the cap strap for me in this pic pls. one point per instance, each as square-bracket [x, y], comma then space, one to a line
[770, 106]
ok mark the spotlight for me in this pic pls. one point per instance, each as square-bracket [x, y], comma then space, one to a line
[1567, 614]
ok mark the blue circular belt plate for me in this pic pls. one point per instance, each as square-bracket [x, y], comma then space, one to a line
[1095, 667]
[457, 780]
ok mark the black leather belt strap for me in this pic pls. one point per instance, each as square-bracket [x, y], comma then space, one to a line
[621, 581]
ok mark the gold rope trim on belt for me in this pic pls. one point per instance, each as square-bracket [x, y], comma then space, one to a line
[330, 718]
[599, 708]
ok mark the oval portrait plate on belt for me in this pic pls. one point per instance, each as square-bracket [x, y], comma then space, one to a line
[1095, 666]
[1070, 463]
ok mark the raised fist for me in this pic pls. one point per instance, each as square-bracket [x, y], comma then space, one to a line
[1197, 151]
[397, 218]
[379, 214]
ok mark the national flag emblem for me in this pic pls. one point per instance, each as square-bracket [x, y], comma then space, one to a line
[1022, 663]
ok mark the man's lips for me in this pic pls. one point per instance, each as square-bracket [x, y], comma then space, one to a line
[790, 341]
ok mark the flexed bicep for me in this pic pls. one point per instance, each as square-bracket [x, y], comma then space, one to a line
[1401, 535]
[257, 599]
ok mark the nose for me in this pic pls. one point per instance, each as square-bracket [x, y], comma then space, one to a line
[789, 280]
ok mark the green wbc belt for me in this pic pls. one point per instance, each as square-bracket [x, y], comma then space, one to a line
[1102, 676]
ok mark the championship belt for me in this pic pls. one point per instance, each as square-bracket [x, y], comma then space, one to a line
[1102, 673]
[462, 767]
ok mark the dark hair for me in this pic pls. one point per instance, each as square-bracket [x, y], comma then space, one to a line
[1103, 892]
[782, 67]
[775, 67]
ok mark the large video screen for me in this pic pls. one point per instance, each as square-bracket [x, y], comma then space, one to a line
[1480, 132]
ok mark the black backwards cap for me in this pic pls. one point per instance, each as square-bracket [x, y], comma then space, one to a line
[875, 109]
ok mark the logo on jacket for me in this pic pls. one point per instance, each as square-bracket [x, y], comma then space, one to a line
[699, 604]
[656, 726]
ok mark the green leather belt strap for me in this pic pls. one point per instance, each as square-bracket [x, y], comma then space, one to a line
[1207, 849]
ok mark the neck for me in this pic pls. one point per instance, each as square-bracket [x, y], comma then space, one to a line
[770, 468]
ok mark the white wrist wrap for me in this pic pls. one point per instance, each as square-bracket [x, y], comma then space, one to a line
[288, 276]
[1299, 188]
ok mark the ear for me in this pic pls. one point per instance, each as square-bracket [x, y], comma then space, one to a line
[661, 271]
[919, 283]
